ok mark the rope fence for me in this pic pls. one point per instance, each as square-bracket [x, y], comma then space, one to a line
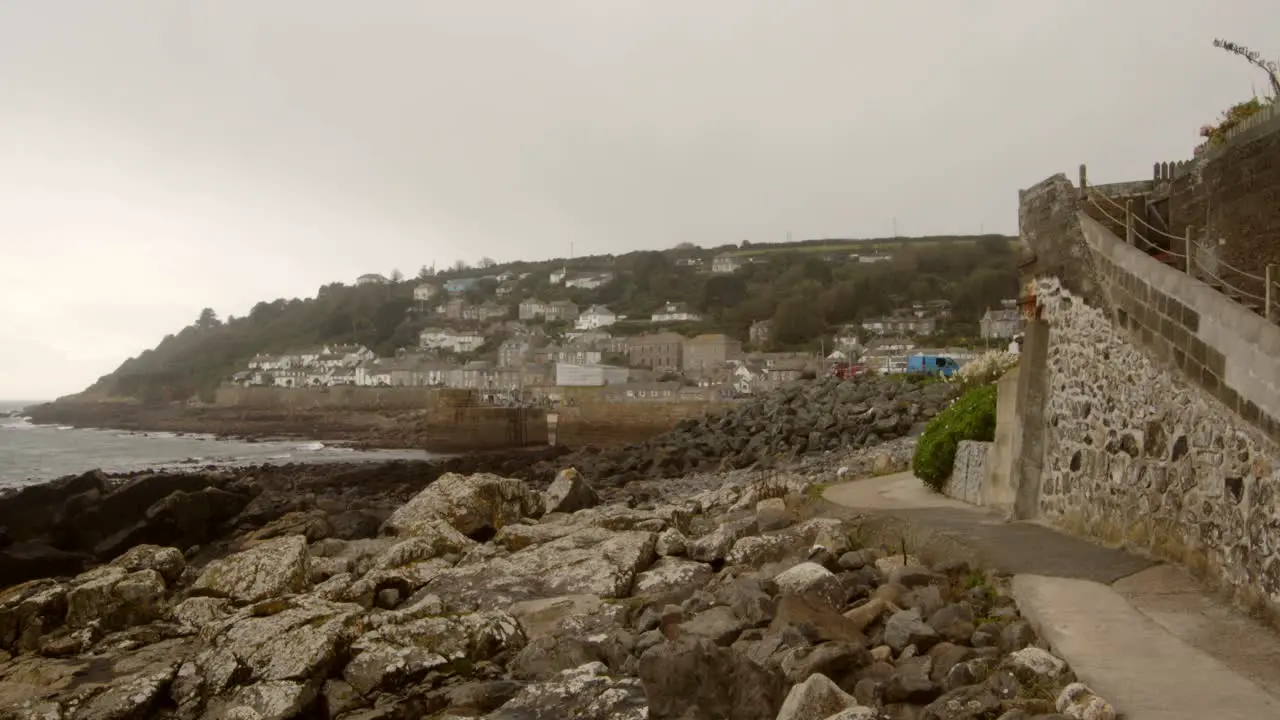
[1263, 291]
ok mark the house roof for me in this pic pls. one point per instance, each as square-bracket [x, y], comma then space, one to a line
[599, 310]
[1000, 315]
[662, 338]
[711, 338]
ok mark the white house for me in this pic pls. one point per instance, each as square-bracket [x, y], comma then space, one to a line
[440, 339]
[596, 316]
[531, 309]
[557, 276]
[725, 263]
[425, 292]
[675, 312]
[589, 282]
[568, 375]
[874, 258]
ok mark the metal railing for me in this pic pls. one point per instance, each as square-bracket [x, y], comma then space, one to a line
[1263, 292]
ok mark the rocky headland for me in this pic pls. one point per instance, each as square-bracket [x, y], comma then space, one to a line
[711, 584]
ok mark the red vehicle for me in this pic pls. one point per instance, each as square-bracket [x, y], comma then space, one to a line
[844, 371]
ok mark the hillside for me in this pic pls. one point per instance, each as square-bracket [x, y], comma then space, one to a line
[808, 289]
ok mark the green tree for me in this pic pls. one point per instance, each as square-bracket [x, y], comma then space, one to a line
[208, 319]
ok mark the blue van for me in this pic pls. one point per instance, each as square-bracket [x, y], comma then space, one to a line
[932, 365]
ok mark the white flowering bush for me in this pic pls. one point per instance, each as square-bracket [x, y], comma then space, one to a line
[985, 369]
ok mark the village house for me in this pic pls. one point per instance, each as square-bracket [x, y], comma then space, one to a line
[504, 290]
[563, 311]
[725, 263]
[557, 276]
[590, 281]
[425, 292]
[940, 309]
[704, 352]
[1000, 324]
[572, 354]
[484, 312]
[595, 375]
[453, 309]
[689, 262]
[532, 309]
[371, 279]
[457, 286]
[450, 340]
[675, 312]
[902, 323]
[513, 352]
[589, 338]
[846, 339]
[760, 333]
[596, 316]
[658, 351]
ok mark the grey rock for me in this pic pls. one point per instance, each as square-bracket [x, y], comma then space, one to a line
[914, 576]
[906, 628]
[670, 542]
[475, 505]
[1017, 635]
[839, 661]
[716, 544]
[911, 682]
[672, 578]
[584, 693]
[546, 657]
[812, 581]
[699, 680]
[274, 568]
[718, 624]
[954, 622]
[569, 492]
[967, 672]
[964, 703]
[816, 697]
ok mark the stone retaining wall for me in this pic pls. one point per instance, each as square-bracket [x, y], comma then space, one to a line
[969, 473]
[1135, 454]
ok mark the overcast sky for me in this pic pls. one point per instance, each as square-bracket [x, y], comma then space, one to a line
[160, 156]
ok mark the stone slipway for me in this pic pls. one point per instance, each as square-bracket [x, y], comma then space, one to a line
[1143, 635]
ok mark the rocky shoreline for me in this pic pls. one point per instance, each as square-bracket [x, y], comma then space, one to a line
[517, 587]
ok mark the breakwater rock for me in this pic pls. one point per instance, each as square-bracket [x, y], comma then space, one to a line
[807, 417]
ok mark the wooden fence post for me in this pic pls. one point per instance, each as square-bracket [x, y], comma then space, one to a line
[1186, 247]
[1084, 177]
[1128, 223]
[1270, 294]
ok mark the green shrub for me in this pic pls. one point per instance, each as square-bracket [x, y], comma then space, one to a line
[971, 417]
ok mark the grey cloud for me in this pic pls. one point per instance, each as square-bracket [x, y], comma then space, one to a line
[160, 156]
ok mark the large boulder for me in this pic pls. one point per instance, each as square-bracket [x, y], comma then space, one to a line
[113, 598]
[590, 561]
[569, 492]
[32, 559]
[274, 568]
[699, 680]
[673, 579]
[586, 692]
[393, 655]
[30, 513]
[476, 505]
[816, 697]
[272, 654]
[28, 611]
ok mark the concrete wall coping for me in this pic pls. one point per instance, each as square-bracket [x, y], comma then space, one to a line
[1250, 344]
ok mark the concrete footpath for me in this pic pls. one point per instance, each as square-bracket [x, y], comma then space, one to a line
[1141, 634]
